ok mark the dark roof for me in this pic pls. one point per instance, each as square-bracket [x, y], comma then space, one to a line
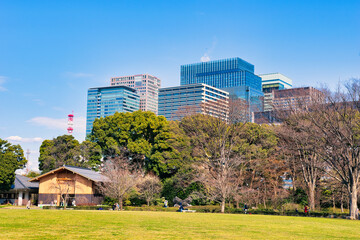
[22, 182]
[85, 172]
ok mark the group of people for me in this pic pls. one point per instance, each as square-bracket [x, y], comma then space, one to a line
[116, 206]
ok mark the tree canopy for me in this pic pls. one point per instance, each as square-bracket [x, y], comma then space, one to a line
[11, 159]
[143, 134]
[66, 150]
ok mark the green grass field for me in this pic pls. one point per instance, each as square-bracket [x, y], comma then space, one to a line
[57, 224]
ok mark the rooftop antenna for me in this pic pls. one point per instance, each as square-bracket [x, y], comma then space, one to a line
[70, 128]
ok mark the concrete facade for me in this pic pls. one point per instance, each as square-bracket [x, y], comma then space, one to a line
[146, 85]
[178, 102]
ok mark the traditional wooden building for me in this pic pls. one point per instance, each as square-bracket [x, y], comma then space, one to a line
[78, 185]
[21, 192]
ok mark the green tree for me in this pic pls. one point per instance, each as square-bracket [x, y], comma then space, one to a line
[89, 155]
[66, 150]
[11, 158]
[145, 136]
[32, 174]
[261, 169]
[171, 152]
[58, 152]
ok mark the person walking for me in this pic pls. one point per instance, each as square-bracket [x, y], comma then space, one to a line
[246, 208]
[28, 204]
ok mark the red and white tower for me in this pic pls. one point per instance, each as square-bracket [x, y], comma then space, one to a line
[70, 128]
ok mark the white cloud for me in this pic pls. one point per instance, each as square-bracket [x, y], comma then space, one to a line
[59, 123]
[2, 81]
[18, 139]
[206, 56]
[78, 75]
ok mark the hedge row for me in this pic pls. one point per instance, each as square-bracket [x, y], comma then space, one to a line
[104, 207]
[213, 209]
[216, 209]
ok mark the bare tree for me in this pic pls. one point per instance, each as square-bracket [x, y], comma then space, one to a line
[304, 146]
[120, 178]
[149, 187]
[217, 145]
[298, 136]
[63, 187]
[338, 125]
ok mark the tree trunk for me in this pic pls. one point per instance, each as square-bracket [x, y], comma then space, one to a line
[252, 179]
[265, 196]
[294, 185]
[121, 203]
[148, 202]
[353, 200]
[237, 203]
[223, 206]
[311, 197]
[342, 199]
[275, 193]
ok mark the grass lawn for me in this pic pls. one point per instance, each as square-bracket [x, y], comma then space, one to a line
[58, 224]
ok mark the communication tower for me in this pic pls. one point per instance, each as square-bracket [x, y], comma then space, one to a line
[28, 160]
[70, 128]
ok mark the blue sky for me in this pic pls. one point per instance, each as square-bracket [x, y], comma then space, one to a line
[51, 52]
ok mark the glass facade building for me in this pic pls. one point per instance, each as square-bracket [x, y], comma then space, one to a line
[178, 102]
[105, 101]
[270, 83]
[233, 75]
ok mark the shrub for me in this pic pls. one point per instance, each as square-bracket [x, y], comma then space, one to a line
[104, 207]
[291, 207]
[151, 208]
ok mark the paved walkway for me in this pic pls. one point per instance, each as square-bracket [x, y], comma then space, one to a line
[21, 207]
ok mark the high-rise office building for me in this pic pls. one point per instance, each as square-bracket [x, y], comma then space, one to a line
[105, 101]
[178, 102]
[271, 82]
[286, 100]
[147, 87]
[233, 75]
[295, 98]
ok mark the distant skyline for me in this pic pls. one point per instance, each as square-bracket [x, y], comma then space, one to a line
[51, 52]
